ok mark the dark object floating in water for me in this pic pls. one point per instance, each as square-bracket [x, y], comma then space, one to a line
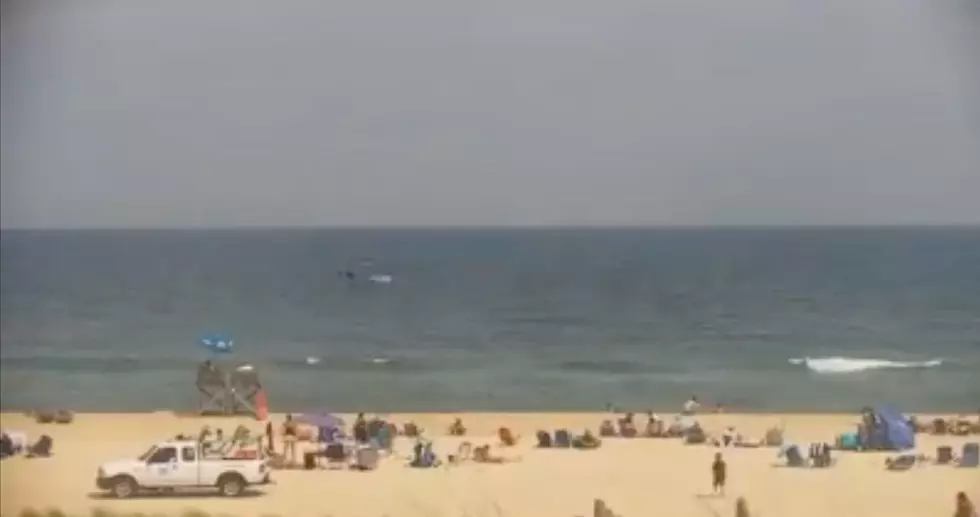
[346, 274]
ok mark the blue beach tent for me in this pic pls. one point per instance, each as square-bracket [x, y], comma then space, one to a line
[893, 432]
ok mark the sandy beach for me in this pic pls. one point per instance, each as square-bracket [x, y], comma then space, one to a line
[640, 476]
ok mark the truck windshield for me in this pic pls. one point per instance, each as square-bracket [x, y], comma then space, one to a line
[146, 455]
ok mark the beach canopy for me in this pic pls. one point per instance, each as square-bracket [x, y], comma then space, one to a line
[217, 343]
[323, 419]
[894, 432]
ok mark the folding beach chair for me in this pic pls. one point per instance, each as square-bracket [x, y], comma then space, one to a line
[971, 455]
[562, 439]
[544, 439]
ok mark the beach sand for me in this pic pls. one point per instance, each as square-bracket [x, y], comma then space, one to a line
[636, 477]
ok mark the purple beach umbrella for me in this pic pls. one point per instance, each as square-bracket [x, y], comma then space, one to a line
[321, 420]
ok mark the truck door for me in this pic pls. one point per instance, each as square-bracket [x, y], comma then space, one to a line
[188, 472]
[161, 468]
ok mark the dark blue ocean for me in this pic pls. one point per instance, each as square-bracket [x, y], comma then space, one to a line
[497, 319]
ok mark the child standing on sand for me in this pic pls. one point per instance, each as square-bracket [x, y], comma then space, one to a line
[718, 472]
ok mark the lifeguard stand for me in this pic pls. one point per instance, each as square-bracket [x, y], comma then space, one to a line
[227, 389]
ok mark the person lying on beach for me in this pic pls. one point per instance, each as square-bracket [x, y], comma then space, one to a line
[964, 507]
[457, 428]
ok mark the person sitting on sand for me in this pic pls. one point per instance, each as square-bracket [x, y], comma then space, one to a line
[728, 437]
[655, 426]
[964, 507]
[587, 441]
[457, 428]
[606, 428]
[742, 508]
[507, 437]
[626, 427]
[360, 429]
[482, 454]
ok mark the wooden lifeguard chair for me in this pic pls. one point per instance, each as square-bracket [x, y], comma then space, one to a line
[227, 389]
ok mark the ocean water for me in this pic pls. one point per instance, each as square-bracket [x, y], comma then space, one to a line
[756, 319]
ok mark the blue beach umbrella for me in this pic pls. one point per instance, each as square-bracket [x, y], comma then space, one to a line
[217, 343]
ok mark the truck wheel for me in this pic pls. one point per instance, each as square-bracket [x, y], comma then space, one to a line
[231, 485]
[124, 487]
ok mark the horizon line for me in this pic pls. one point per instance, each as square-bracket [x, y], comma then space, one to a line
[513, 227]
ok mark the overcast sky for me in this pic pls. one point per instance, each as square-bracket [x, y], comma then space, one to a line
[175, 113]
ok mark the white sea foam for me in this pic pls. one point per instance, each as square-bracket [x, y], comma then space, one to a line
[312, 360]
[852, 365]
[381, 279]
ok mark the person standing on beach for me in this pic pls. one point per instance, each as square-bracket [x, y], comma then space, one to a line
[691, 406]
[718, 474]
[289, 437]
[270, 436]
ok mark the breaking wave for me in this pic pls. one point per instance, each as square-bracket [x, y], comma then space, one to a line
[854, 365]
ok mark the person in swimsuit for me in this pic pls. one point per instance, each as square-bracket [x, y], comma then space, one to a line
[718, 474]
[289, 437]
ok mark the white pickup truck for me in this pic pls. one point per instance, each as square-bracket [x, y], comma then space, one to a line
[182, 465]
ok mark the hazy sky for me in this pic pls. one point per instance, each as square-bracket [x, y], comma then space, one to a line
[438, 112]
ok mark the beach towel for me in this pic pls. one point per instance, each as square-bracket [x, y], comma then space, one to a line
[562, 439]
[971, 455]
[544, 439]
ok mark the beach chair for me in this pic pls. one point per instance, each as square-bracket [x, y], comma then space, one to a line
[335, 454]
[971, 455]
[544, 439]
[41, 448]
[793, 456]
[901, 462]
[365, 458]
[562, 439]
[944, 455]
